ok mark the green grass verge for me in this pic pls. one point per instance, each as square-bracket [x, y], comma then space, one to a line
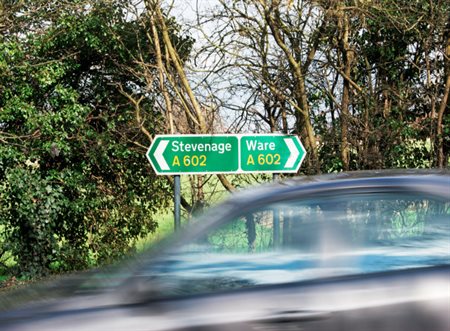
[165, 228]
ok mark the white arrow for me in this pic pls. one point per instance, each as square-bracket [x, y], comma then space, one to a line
[159, 155]
[293, 150]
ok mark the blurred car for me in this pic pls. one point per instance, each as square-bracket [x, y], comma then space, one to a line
[353, 251]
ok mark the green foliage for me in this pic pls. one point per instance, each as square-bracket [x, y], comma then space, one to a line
[76, 189]
[396, 64]
[234, 236]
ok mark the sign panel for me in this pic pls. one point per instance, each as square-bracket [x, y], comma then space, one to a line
[234, 154]
[184, 154]
[271, 153]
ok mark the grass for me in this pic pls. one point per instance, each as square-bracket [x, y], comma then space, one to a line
[165, 228]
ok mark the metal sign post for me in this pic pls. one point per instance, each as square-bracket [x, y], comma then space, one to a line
[276, 220]
[177, 202]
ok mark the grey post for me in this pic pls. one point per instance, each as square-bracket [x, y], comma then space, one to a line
[177, 202]
[276, 220]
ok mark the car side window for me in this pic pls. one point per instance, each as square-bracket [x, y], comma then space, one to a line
[311, 239]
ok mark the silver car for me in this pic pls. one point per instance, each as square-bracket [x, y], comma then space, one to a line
[353, 251]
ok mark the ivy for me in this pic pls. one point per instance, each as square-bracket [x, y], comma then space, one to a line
[76, 189]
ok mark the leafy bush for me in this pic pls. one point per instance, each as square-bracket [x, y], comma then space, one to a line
[75, 186]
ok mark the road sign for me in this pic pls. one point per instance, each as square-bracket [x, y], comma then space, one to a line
[194, 154]
[271, 153]
[246, 153]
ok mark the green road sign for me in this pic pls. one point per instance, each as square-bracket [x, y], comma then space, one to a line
[246, 153]
[194, 154]
[271, 153]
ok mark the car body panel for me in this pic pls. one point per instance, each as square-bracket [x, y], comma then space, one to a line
[415, 296]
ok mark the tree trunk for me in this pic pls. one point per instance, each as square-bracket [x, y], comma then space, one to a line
[299, 88]
[441, 155]
[347, 56]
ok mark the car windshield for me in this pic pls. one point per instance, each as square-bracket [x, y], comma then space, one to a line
[308, 239]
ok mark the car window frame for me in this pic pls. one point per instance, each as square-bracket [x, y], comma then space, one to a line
[235, 207]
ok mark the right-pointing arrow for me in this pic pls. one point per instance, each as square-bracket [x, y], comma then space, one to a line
[159, 155]
[294, 152]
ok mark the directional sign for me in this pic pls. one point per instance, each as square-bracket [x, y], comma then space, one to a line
[247, 153]
[194, 154]
[271, 153]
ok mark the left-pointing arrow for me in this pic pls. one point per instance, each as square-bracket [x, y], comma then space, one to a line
[159, 155]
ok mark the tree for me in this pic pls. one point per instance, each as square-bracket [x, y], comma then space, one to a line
[76, 188]
[270, 46]
[363, 82]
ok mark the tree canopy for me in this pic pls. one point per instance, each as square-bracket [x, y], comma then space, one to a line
[364, 83]
[75, 189]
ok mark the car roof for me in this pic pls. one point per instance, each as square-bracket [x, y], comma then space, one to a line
[422, 179]
[432, 182]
